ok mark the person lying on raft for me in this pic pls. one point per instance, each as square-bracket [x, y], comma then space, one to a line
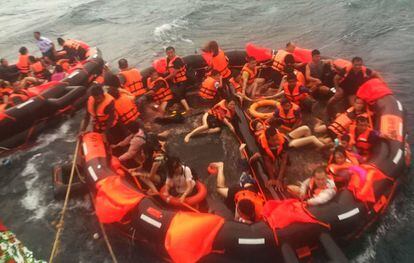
[219, 115]
[243, 200]
[159, 90]
[249, 80]
[180, 180]
[317, 190]
[318, 73]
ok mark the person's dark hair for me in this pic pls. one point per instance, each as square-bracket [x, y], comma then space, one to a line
[37, 32]
[2, 60]
[357, 59]
[23, 50]
[58, 69]
[60, 40]
[291, 76]
[360, 119]
[246, 208]
[32, 59]
[271, 131]
[288, 44]
[315, 52]
[254, 123]
[289, 69]
[172, 163]
[123, 63]
[339, 149]
[169, 48]
[284, 101]
[319, 169]
[250, 59]
[114, 92]
[289, 59]
[213, 47]
[96, 90]
[215, 72]
[111, 79]
[345, 137]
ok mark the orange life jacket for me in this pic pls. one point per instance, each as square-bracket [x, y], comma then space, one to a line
[38, 70]
[360, 141]
[220, 111]
[221, 63]
[133, 82]
[255, 198]
[236, 85]
[98, 112]
[289, 118]
[208, 88]
[181, 75]
[162, 94]
[341, 64]
[5, 91]
[279, 60]
[252, 73]
[23, 64]
[126, 109]
[300, 77]
[264, 143]
[17, 98]
[64, 63]
[294, 96]
[342, 123]
[76, 44]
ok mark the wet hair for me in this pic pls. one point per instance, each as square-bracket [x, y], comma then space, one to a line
[123, 63]
[32, 59]
[271, 131]
[114, 92]
[357, 59]
[246, 209]
[23, 50]
[250, 59]
[96, 90]
[315, 52]
[289, 59]
[345, 137]
[360, 119]
[111, 79]
[60, 40]
[284, 101]
[58, 68]
[169, 49]
[319, 169]
[291, 76]
[172, 163]
[215, 72]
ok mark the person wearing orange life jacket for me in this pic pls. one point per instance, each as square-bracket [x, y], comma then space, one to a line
[73, 49]
[210, 89]
[159, 90]
[278, 63]
[130, 79]
[297, 93]
[212, 121]
[17, 97]
[177, 76]
[101, 107]
[249, 80]
[339, 163]
[349, 79]
[243, 199]
[219, 61]
[317, 190]
[38, 70]
[5, 91]
[319, 74]
[287, 115]
[23, 63]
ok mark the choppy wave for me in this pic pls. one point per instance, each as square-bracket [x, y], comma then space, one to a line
[172, 32]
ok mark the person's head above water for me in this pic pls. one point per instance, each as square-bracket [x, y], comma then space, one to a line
[123, 63]
[170, 52]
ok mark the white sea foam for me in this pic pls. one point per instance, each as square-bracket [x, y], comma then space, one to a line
[170, 32]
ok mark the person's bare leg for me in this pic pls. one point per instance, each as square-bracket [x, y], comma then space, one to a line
[302, 131]
[163, 107]
[221, 187]
[260, 88]
[294, 190]
[202, 128]
[185, 104]
[300, 142]
[320, 127]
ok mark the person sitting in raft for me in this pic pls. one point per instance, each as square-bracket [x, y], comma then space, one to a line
[318, 74]
[249, 80]
[101, 107]
[290, 69]
[338, 165]
[244, 200]
[23, 62]
[317, 190]
[38, 69]
[177, 76]
[275, 146]
[58, 74]
[288, 115]
[8, 72]
[219, 115]
[160, 91]
[211, 88]
[278, 63]
[73, 49]
[180, 181]
[5, 91]
[219, 61]
[130, 79]
[348, 80]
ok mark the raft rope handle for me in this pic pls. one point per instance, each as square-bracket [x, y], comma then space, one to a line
[108, 244]
[65, 204]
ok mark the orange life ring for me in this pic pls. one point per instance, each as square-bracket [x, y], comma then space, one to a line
[191, 200]
[262, 103]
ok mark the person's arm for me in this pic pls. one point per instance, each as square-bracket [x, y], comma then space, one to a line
[298, 122]
[309, 77]
[189, 188]
[282, 82]
[178, 63]
[324, 196]
[110, 110]
[169, 183]
[375, 74]
[304, 188]
[283, 165]
[229, 125]
[245, 78]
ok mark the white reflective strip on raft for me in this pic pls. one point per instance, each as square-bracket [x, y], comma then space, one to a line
[251, 241]
[24, 104]
[348, 214]
[400, 107]
[92, 173]
[73, 74]
[85, 149]
[398, 156]
[150, 221]
[401, 129]
[99, 166]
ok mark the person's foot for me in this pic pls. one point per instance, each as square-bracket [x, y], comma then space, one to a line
[187, 138]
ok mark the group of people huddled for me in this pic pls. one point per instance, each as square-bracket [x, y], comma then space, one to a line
[29, 71]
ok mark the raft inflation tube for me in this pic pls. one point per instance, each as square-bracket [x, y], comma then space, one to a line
[47, 103]
[208, 237]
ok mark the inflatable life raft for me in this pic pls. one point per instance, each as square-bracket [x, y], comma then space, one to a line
[47, 102]
[191, 237]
